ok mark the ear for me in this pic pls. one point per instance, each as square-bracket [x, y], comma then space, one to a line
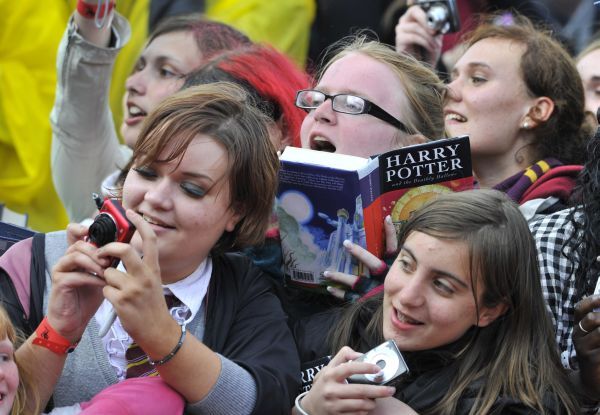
[539, 112]
[488, 315]
[233, 220]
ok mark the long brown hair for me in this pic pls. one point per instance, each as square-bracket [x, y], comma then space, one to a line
[516, 355]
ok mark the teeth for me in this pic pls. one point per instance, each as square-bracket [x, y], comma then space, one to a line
[455, 117]
[152, 221]
[405, 319]
[135, 111]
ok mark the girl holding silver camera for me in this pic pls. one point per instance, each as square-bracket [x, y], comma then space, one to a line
[463, 303]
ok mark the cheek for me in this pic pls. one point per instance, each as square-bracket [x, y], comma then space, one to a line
[133, 191]
[11, 376]
[454, 317]
[305, 130]
[165, 89]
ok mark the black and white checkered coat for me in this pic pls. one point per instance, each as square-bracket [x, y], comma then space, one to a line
[558, 277]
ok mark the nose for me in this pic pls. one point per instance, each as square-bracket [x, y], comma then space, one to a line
[412, 292]
[159, 195]
[453, 91]
[136, 82]
[324, 113]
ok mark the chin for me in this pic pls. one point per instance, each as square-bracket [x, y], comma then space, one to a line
[130, 134]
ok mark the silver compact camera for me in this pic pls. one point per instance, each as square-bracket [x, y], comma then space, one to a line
[388, 358]
[442, 15]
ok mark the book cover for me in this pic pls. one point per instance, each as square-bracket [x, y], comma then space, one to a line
[318, 207]
[398, 182]
[325, 198]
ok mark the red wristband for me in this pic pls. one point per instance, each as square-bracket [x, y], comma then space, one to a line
[89, 10]
[50, 339]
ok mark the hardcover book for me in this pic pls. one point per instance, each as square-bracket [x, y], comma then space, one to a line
[325, 198]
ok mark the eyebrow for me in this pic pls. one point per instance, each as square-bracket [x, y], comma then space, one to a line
[342, 91]
[198, 176]
[437, 271]
[595, 78]
[471, 66]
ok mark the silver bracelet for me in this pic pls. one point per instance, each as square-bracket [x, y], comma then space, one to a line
[173, 352]
[299, 407]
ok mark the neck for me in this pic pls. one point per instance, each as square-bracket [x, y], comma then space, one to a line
[491, 171]
[171, 273]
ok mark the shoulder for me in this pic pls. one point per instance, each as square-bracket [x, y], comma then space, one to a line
[235, 273]
[56, 245]
[553, 229]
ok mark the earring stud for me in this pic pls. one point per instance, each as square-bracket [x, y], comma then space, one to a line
[526, 125]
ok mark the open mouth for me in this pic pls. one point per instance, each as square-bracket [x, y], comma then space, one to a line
[156, 222]
[322, 144]
[135, 111]
[452, 116]
[403, 318]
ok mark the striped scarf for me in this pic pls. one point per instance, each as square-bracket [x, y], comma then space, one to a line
[516, 185]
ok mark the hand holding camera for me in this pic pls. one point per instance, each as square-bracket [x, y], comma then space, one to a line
[110, 225]
[332, 392]
[419, 30]
[388, 358]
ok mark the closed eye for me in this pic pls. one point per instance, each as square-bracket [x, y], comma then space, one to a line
[193, 190]
[145, 172]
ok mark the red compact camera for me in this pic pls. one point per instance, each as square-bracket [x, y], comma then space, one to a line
[111, 224]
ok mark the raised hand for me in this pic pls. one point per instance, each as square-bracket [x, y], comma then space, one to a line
[415, 37]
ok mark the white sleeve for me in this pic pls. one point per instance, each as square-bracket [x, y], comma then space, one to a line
[85, 146]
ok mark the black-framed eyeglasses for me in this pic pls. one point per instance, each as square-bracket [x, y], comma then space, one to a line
[309, 99]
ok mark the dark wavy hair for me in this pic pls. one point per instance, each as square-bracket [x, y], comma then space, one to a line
[585, 238]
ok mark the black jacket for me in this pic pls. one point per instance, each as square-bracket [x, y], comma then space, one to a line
[245, 323]
[431, 371]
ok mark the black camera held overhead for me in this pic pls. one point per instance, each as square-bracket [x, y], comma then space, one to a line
[111, 224]
[442, 15]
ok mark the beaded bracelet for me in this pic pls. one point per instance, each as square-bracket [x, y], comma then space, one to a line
[173, 352]
[299, 407]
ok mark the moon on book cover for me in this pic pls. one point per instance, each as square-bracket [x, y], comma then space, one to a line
[297, 205]
[414, 199]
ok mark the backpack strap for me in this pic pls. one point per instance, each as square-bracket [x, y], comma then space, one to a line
[37, 280]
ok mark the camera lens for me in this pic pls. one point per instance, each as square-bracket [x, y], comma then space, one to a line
[437, 18]
[103, 230]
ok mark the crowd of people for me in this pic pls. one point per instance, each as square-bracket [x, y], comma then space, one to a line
[489, 295]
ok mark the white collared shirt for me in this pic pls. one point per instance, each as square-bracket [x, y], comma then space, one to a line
[191, 291]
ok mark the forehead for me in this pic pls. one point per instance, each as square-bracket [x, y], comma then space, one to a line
[362, 75]
[441, 254]
[501, 55]
[589, 65]
[180, 45]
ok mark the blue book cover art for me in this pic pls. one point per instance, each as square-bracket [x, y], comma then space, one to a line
[318, 208]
